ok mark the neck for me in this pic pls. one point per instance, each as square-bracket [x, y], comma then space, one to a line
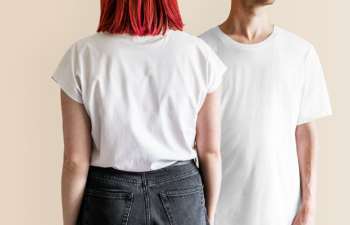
[246, 24]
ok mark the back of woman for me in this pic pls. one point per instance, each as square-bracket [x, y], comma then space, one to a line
[142, 84]
[142, 93]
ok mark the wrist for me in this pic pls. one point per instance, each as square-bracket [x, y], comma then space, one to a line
[308, 203]
[308, 208]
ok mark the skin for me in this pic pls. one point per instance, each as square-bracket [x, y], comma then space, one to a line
[307, 148]
[76, 160]
[248, 24]
[208, 134]
[77, 152]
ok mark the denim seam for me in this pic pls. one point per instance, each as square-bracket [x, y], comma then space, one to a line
[117, 182]
[111, 195]
[146, 197]
[167, 208]
[122, 196]
[127, 210]
[172, 179]
[184, 192]
[97, 175]
[202, 205]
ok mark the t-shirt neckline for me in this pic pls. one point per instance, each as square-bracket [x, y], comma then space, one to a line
[243, 46]
[142, 37]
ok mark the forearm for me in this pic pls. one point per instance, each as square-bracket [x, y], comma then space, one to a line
[210, 168]
[307, 149]
[73, 185]
[308, 176]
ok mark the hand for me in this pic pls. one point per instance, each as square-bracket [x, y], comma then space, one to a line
[306, 216]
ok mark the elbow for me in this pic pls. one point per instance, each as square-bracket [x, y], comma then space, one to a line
[212, 153]
[74, 167]
[209, 157]
[69, 165]
[75, 162]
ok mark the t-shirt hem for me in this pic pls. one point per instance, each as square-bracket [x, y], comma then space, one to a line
[218, 80]
[66, 89]
[316, 116]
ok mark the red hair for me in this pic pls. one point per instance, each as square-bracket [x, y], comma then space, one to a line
[139, 17]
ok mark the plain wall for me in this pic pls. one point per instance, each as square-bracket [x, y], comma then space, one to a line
[35, 35]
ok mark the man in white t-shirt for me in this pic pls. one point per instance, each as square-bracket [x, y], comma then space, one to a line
[272, 92]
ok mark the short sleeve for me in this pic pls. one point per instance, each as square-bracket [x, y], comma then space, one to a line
[215, 71]
[66, 76]
[315, 101]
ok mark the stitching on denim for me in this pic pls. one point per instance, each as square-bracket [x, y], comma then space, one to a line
[122, 196]
[202, 205]
[167, 209]
[116, 182]
[109, 194]
[181, 193]
[184, 192]
[172, 179]
[147, 198]
[127, 210]
[98, 175]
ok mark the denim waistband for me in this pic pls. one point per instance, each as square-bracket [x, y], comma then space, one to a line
[178, 170]
[178, 163]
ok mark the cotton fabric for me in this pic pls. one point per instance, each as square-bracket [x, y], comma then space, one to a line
[269, 88]
[142, 95]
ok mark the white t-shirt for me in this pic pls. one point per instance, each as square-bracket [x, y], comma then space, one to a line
[269, 88]
[142, 95]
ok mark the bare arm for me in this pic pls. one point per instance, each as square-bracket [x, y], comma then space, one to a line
[76, 161]
[307, 149]
[208, 145]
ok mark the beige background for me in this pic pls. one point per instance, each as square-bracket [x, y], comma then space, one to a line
[35, 34]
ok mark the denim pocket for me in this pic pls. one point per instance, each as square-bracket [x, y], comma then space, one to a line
[107, 207]
[184, 206]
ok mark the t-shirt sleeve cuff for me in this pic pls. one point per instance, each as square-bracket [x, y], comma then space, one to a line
[67, 89]
[218, 79]
[324, 113]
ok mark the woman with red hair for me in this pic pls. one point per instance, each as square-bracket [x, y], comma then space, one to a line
[140, 101]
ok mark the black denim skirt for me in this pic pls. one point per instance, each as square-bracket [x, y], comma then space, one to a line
[172, 195]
